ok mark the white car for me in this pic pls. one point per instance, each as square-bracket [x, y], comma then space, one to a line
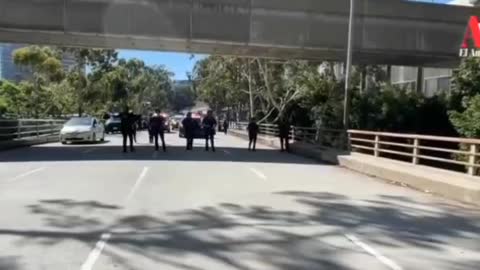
[82, 129]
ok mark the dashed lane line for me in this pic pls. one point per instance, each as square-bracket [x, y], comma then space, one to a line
[384, 260]
[95, 253]
[258, 173]
[102, 243]
[23, 175]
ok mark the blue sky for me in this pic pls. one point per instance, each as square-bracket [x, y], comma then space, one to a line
[181, 63]
[178, 63]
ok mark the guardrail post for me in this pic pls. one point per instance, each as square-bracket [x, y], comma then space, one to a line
[19, 129]
[472, 159]
[415, 151]
[376, 146]
[36, 128]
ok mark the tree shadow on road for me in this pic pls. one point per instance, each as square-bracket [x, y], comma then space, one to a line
[9, 263]
[306, 235]
[147, 153]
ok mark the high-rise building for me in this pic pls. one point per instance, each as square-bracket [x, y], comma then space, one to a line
[10, 71]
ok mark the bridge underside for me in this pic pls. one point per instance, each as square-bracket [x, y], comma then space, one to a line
[386, 31]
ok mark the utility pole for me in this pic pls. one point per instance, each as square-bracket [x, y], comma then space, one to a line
[346, 104]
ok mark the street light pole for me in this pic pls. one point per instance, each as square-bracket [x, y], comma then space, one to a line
[346, 104]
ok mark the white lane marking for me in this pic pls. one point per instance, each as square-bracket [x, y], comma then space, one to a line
[226, 152]
[258, 173]
[26, 174]
[137, 183]
[95, 253]
[384, 260]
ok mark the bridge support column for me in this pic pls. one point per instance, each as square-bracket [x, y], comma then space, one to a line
[419, 86]
[389, 74]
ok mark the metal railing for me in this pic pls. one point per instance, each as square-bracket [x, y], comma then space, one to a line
[24, 129]
[332, 138]
[444, 152]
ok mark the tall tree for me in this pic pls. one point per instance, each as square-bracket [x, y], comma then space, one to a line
[46, 66]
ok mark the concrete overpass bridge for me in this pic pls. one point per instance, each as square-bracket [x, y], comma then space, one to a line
[386, 31]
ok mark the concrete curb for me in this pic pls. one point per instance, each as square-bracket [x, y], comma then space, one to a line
[452, 185]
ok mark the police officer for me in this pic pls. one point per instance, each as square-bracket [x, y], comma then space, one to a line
[225, 126]
[252, 134]
[126, 126]
[189, 126]
[157, 126]
[284, 134]
[209, 123]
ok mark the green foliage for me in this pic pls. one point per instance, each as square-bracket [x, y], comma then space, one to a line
[467, 122]
[109, 85]
[183, 97]
[464, 102]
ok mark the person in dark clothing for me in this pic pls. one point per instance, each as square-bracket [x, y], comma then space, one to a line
[189, 126]
[252, 134]
[149, 127]
[284, 134]
[134, 128]
[209, 123]
[225, 126]
[126, 126]
[157, 126]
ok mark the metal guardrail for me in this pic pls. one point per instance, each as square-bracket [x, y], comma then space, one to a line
[445, 152]
[24, 129]
[418, 148]
[331, 138]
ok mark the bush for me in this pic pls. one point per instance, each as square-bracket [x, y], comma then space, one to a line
[467, 123]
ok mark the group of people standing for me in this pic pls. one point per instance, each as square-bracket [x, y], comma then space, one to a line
[190, 127]
[156, 129]
[284, 134]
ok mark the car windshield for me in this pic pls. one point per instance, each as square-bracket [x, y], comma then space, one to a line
[79, 122]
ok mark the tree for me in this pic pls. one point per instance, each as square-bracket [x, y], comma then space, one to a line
[12, 98]
[467, 122]
[87, 88]
[183, 97]
[46, 67]
[465, 83]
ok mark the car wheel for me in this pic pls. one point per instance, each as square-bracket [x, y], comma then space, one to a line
[64, 142]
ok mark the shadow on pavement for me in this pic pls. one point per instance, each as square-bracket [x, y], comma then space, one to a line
[234, 235]
[9, 263]
[146, 152]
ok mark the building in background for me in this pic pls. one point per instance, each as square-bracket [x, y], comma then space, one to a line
[10, 71]
[429, 81]
[433, 80]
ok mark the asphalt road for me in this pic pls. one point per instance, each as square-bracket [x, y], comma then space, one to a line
[89, 207]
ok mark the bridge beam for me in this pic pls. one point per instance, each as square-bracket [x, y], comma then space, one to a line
[387, 31]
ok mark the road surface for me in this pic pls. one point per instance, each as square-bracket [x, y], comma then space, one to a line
[86, 207]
